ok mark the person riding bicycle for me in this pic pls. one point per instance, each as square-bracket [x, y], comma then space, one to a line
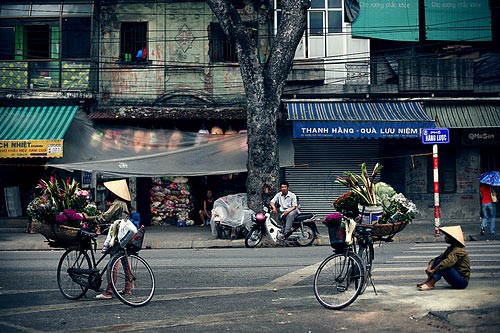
[453, 264]
[118, 210]
[286, 202]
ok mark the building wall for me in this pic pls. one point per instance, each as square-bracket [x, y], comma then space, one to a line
[178, 55]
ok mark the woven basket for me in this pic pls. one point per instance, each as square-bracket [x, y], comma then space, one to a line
[387, 229]
[58, 234]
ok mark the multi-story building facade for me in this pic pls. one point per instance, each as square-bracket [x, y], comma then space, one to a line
[366, 80]
[390, 69]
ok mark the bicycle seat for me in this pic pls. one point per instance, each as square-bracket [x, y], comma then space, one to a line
[303, 216]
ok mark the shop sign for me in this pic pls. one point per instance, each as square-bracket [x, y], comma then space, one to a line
[435, 135]
[481, 137]
[362, 130]
[31, 148]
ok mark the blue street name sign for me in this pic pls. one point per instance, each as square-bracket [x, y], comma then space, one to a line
[435, 135]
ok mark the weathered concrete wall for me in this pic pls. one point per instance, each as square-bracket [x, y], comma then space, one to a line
[464, 204]
[178, 55]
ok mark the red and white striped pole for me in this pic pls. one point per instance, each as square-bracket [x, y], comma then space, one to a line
[437, 213]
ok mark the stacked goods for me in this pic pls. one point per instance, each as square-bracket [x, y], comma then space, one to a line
[170, 198]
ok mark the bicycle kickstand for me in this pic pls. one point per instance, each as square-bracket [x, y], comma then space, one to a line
[371, 282]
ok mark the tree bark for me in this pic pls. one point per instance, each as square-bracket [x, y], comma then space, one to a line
[263, 83]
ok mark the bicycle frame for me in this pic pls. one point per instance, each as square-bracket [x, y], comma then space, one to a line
[92, 278]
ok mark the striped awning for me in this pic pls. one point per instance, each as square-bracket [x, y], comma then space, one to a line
[34, 131]
[35, 122]
[465, 115]
[358, 120]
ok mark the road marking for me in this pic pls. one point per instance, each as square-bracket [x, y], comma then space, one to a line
[482, 255]
[402, 269]
[294, 277]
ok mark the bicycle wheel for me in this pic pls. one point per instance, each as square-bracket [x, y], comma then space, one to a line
[253, 238]
[132, 280]
[366, 253]
[306, 236]
[338, 280]
[66, 280]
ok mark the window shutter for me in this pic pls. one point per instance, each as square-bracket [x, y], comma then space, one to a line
[216, 42]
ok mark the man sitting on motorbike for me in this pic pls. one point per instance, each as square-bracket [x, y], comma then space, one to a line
[286, 202]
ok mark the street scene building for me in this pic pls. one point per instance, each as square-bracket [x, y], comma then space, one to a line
[151, 91]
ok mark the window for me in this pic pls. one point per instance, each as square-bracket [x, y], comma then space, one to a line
[75, 37]
[7, 45]
[133, 41]
[38, 41]
[333, 11]
[324, 24]
[220, 47]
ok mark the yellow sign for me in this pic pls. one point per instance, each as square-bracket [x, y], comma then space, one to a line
[31, 148]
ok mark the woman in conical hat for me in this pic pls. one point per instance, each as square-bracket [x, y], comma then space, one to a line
[118, 210]
[453, 264]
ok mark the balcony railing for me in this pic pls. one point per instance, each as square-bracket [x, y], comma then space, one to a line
[45, 75]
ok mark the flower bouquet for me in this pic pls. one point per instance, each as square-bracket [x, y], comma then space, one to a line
[57, 211]
[336, 230]
[397, 210]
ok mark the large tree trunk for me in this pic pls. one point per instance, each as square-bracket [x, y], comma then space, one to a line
[263, 82]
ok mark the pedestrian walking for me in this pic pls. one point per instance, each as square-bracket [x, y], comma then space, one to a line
[488, 207]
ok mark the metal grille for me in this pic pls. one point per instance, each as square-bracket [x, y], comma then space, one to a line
[319, 162]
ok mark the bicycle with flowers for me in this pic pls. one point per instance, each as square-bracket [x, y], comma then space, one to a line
[58, 212]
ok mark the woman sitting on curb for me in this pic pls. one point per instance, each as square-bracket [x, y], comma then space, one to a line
[453, 264]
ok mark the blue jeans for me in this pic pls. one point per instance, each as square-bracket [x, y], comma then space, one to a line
[489, 212]
[451, 275]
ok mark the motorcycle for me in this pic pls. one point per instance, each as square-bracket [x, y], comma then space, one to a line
[304, 230]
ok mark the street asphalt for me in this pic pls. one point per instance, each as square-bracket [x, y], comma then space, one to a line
[172, 237]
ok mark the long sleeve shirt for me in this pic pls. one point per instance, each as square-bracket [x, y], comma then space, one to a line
[117, 211]
[454, 256]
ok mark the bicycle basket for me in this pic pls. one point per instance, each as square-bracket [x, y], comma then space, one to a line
[337, 236]
[135, 243]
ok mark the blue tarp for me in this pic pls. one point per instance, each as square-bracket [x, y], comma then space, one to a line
[358, 120]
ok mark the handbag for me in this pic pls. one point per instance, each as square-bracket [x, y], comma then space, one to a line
[493, 195]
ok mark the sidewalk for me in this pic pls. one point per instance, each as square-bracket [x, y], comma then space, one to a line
[171, 237]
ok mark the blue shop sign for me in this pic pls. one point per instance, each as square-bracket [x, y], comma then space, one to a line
[384, 120]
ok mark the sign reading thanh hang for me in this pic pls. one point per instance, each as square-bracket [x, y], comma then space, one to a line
[31, 148]
[356, 130]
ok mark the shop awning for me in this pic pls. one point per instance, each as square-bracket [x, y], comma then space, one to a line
[358, 120]
[140, 152]
[464, 115]
[34, 131]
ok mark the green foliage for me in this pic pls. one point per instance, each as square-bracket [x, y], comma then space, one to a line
[362, 184]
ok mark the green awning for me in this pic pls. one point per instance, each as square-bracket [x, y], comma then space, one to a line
[464, 115]
[35, 122]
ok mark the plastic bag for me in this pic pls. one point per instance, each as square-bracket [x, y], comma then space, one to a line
[126, 230]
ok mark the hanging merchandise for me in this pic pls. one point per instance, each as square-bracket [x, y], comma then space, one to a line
[170, 201]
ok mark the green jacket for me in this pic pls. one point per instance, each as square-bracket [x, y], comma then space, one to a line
[117, 211]
[454, 256]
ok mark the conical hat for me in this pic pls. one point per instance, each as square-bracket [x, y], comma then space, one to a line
[119, 187]
[454, 232]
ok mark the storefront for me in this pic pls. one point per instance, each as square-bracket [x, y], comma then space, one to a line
[29, 135]
[333, 137]
[169, 170]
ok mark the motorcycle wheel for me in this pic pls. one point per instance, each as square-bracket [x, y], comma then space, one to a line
[307, 236]
[253, 238]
